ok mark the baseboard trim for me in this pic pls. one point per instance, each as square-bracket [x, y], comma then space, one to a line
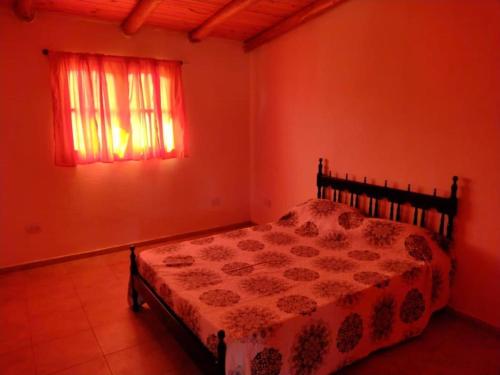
[92, 253]
[479, 322]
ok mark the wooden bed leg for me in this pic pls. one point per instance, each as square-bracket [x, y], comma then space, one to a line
[133, 272]
[221, 353]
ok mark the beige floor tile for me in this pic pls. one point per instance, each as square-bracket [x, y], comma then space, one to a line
[13, 286]
[61, 299]
[98, 277]
[111, 289]
[96, 366]
[108, 310]
[13, 338]
[13, 311]
[142, 359]
[121, 270]
[123, 334]
[60, 354]
[12, 293]
[14, 324]
[48, 287]
[18, 362]
[58, 324]
[45, 273]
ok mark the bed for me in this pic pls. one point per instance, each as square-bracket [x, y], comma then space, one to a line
[334, 279]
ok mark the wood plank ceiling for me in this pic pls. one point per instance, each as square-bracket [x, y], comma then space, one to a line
[254, 22]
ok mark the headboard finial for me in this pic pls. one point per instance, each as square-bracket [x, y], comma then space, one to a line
[318, 179]
[385, 184]
[409, 187]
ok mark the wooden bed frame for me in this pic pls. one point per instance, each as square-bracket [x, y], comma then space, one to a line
[203, 358]
[342, 190]
[350, 192]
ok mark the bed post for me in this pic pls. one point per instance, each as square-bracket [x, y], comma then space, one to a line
[221, 353]
[451, 216]
[318, 177]
[133, 272]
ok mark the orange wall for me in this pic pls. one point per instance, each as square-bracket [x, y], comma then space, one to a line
[405, 90]
[100, 205]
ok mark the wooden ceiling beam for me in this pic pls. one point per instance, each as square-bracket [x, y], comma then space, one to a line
[24, 9]
[303, 15]
[139, 15]
[223, 14]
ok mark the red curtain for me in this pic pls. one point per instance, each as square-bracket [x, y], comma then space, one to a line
[109, 108]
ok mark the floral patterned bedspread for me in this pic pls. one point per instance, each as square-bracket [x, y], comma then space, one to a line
[308, 294]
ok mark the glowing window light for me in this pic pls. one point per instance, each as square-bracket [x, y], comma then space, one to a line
[86, 101]
[168, 126]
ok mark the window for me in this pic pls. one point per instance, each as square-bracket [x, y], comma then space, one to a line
[110, 108]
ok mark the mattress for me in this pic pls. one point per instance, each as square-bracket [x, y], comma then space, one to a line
[308, 294]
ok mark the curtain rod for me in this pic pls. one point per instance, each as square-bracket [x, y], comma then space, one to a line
[45, 51]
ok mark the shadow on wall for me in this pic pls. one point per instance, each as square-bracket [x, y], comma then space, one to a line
[464, 210]
[466, 280]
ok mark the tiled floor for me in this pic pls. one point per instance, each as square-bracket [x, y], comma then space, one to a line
[72, 318]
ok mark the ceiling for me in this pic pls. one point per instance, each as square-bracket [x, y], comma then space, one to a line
[251, 18]
[185, 15]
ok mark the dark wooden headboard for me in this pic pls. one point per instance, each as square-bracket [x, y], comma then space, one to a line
[350, 192]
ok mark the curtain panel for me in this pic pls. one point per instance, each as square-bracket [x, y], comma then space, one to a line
[110, 108]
